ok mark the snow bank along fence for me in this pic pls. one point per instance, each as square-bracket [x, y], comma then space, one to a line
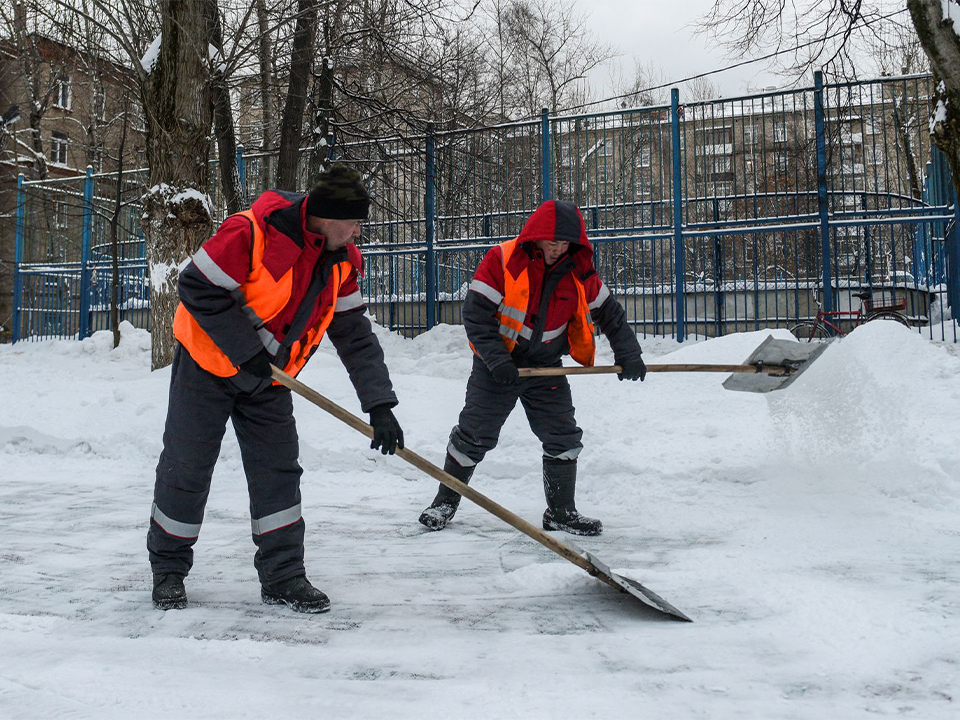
[707, 217]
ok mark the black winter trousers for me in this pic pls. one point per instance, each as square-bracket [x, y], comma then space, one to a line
[200, 405]
[546, 401]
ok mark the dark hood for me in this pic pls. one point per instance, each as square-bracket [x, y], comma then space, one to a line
[559, 221]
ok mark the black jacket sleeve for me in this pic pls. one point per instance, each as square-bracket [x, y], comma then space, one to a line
[219, 314]
[612, 321]
[361, 354]
[483, 330]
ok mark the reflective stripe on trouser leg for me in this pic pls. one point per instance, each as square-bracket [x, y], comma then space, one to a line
[267, 434]
[549, 408]
[486, 408]
[197, 415]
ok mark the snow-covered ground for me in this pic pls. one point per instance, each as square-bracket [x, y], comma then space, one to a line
[812, 534]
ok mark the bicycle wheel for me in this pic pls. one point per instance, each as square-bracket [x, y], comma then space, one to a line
[810, 331]
[889, 315]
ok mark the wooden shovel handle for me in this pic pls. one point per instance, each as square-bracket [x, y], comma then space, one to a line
[438, 474]
[608, 369]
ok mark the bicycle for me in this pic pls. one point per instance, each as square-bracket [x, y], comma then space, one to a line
[827, 323]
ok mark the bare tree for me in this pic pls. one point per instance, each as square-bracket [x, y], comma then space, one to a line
[941, 43]
[40, 74]
[266, 82]
[552, 51]
[291, 126]
[223, 112]
[824, 33]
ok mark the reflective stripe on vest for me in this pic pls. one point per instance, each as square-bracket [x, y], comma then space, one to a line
[261, 298]
[513, 311]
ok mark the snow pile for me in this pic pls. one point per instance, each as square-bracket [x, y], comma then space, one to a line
[811, 533]
[879, 409]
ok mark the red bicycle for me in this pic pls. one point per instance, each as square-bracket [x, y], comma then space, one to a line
[831, 323]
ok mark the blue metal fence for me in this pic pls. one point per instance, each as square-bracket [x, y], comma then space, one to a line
[707, 217]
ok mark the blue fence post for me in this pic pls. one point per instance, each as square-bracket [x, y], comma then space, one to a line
[87, 225]
[242, 174]
[545, 154]
[952, 240]
[717, 275]
[429, 209]
[18, 257]
[678, 265]
[822, 205]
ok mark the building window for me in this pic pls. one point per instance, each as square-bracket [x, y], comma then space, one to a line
[749, 137]
[60, 214]
[720, 164]
[63, 93]
[779, 133]
[99, 102]
[58, 148]
[644, 159]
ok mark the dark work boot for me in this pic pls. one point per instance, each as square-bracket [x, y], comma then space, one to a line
[445, 504]
[296, 593]
[560, 485]
[168, 592]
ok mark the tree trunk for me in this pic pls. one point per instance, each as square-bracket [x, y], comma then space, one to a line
[903, 140]
[233, 192]
[942, 46]
[322, 134]
[176, 218]
[115, 230]
[266, 94]
[291, 127]
[319, 138]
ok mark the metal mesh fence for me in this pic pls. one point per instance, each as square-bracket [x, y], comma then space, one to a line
[707, 217]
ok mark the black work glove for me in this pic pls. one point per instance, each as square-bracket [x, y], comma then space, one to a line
[387, 434]
[506, 374]
[258, 365]
[632, 369]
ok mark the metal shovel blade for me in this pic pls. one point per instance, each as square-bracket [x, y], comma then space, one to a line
[631, 587]
[794, 357]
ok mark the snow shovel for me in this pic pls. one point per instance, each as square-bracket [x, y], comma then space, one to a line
[580, 558]
[772, 366]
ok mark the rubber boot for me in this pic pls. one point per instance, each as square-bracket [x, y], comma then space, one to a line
[445, 504]
[560, 486]
[168, 592]
[296, 593]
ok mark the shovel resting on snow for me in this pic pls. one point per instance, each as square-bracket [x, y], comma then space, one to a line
[772, 366]
[580, 558]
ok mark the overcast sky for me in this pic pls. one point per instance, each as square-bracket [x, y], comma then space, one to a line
[661, 31]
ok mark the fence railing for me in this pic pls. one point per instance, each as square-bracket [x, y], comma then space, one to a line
[706, 217]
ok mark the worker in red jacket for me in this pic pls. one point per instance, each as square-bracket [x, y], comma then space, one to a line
[263, 290]
[533, 300]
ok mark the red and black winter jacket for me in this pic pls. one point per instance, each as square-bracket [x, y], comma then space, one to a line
[211, 291]
[553, 294]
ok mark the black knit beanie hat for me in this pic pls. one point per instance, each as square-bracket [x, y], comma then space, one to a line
[340, 195]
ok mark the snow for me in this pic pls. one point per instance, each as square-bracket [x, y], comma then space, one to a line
[149, 58]
[164, 272]
[810, 533]
[940, 111]
[193, 194]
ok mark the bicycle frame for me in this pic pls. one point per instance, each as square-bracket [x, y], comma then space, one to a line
[823, 315]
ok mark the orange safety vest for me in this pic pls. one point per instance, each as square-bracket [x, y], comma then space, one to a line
[264, 299]
[513, 311]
